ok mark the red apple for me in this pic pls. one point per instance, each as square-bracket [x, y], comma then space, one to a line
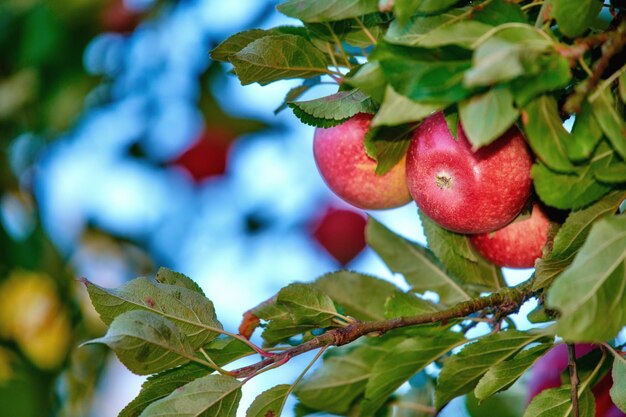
[463, 190]
[349, 172]
[341, 233]
[116, 17]
[518, 244]
[207, 156]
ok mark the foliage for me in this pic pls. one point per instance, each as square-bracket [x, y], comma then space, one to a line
[490, 64]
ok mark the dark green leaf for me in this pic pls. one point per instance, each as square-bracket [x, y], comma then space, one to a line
[498, 12]
[618, 394]
[557, 402]
[546, 133]
[550, 72]
[612, 173]
[279, 57]
[611, 122]
[236, 43]
[336, 107]
[349, 289]
[213, 395]
[504, 374]
[370, 79]
[296, 92]
[586, 134]
[327, 10]
[547, 270]
[487, 116]
[461, 373]
[397, 109]
[387, 146]
[495, 61]
[167, 276]
[401, 362]
[575, 17]
[307, 119]
[146, 343]
[511, 403]
[420, 267]
[451, 115]
[270, 403]
[458, 255]
[593, 289]
[404, 9]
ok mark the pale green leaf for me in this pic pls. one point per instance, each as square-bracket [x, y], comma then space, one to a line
[308, 304]
[397, 109]
[498, 12]
[463, 33]
[618, 393]
[387, 145]
[495, 61]
[146, 343]
[339, 106]
[411, 32]
[209, 396]
[611, 121]
[269, 403]
[167, 276]
[404, 9]
[236, 43]
[543, 73]
[327, 10]
[488, 116]
[575, 17]
[418, 265]
[403, 304]
[593, 289]
[370, 79]
[557, 402]
[586, 134]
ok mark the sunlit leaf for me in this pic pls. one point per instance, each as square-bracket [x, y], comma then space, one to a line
[327, 10]
[269, 403]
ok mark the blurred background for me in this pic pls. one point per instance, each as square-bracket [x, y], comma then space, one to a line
[124, 148]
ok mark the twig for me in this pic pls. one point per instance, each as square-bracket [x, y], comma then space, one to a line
[366, 31]
[573, 377]
[510, 298]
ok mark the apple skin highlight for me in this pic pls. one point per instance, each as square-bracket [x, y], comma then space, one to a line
[348, 171]
[462, 190]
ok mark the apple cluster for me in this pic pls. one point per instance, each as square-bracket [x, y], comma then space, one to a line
[478, 192]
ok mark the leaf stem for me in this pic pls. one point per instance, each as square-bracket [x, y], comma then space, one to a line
[573, 377]
[303, 373]
[339, 46]
[213, 364]
[366, 30]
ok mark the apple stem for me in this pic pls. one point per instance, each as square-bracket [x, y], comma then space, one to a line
[573, 376]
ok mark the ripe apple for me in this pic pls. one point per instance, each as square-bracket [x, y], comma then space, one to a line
[348, 171]
[518, 244]
[465, 190]
[116, 17]
[341, 232]
[207, 156]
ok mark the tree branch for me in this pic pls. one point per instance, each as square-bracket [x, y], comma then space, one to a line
[573, 377]
[505, 301]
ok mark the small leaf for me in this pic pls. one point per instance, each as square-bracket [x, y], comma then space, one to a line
[339, 106]
[403, 304]
[547, 270]
[451, 115]
[504, 374]
[308, 304]
[557, 402]
[420, 267]
[279, 57]
[370, 79]
[296, 92]
[213, 395]
[462, 372]
[270, 403]
[611, 122]
[404, 9]
[586, 134]
[327, 10]
[575, 17]
[146, 343]
[618, 394]
[593, 288]
[387, 146]
[397, 109]
[546, 133]
[495, 61]
[349, 289]
[236, 43]
[487, 116]
[458, 255]
[167, 276]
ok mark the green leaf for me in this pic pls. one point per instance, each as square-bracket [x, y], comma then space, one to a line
[495, 61]
[236, 43]
[327, 10]
[611, 122]
[308, 304]
[511, 403]
[463, 33]
[213, 395]
[488, 116]
[462, 372]
[586, 134]
[337, 107]
[401, 362]
[370, 79]
[504, 374]
[547, 270]
[498, 12]
[593, 288]
[167, 276]
[397, 109]
[458, 255]
[546, 133]
[296, 92]
[226, 349]
[146, 343]
[270, 403]
[418, 265]
[548, 73]
[191, 312]
[411, 32]
[403, 9]
[403, 304]
[612, 173]
[618, 394]
[161, 385]
[575, 17]
[279, 57]
[622, 86]
[349, 289]
[387, 146]
[351, 30]
[557, 402]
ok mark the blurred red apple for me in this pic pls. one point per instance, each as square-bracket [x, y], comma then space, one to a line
[207, 156]
[463, 190]
[341, 232]
[348, 171]
[518, 244]
[116, 17]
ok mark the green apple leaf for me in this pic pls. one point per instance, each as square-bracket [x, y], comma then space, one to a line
[612, 173]
[212, 395]
[593, 288]
[575, 17]
[146, 343]
[191, 312]
[308, 304]
[611, 121]
[370, 79]
[495, 61]
[279, 57]
[546, 133]
[499, 12]
[236, 43]
[403, 361]
[404, 304]
[546, 270]
[226, 349]
[351, 30]
[387, 145]
[618, 394]
[459, 257]
[403, 9]
[349, 289]
[463, 33]
[542, 74]
[327, 10]
[397, 109]
[167, 276]
[488, 116]
[296, 92]
[504, 374]
[557, 402]
[586, 134]
[420, 268]
[270, 403]
[411, 32]
[336, 107]
[462, 372]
